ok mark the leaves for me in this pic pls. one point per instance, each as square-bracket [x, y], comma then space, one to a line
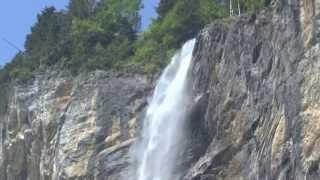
[178, 21]
[102, 34]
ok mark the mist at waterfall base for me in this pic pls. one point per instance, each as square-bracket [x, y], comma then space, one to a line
[156, 151]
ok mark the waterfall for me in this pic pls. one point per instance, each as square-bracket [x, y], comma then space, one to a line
[162, 129]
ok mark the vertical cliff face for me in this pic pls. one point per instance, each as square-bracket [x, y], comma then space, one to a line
[256, 96]
[255, 114]
[58, 127]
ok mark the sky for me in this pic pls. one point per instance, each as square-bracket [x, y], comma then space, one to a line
[18, 16]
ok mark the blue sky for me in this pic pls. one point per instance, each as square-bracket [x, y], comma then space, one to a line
[17, 17]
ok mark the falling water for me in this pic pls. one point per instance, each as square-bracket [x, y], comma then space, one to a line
[162, 128]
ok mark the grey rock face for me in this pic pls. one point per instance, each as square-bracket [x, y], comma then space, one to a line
[57, 127]
[256, 96]
[255, 114]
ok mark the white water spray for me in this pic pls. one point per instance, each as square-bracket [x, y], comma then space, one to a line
[163, 122]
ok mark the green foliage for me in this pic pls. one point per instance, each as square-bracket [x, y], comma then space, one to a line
[120, 16]
[92, 34]
[106, 37]
[248, 6]
[45, 36]
[109, 56]
[210, 11]
[103, 34]
[4, 75]
[81, 8]
[4, 101]
[178, 21]
[20, 68]
[253, 5]
[23, 74]
[164, 7]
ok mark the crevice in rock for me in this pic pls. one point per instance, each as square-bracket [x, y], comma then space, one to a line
[256, 53]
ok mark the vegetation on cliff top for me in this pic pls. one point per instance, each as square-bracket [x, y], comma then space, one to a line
[105, 34]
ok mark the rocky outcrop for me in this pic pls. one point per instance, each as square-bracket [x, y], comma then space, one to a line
[60, 127]
[255, 114]
[256, 89]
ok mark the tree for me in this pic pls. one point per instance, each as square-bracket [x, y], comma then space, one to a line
[81, 8]
[112, 24]
[91, 34]
[165, 6]
[45, 35]
[121, 16]
[178, 21]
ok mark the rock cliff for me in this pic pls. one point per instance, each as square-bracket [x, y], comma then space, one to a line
[256, 96]
[59, 127]
[255, 113]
